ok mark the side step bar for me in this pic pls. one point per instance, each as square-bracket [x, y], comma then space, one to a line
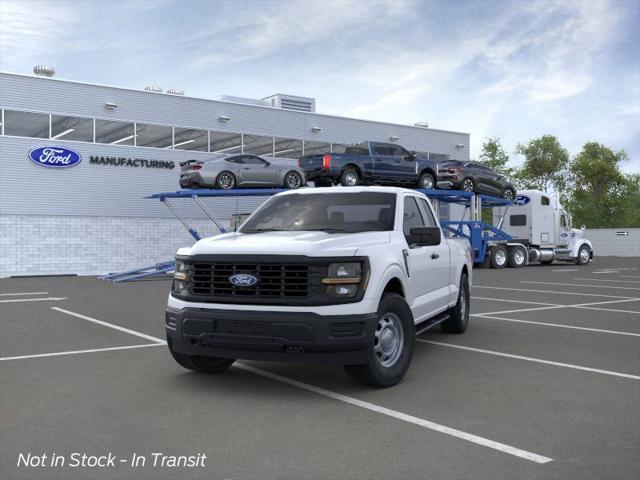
[432, 322]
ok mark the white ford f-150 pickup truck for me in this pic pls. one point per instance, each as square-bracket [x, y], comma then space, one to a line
[339, 275]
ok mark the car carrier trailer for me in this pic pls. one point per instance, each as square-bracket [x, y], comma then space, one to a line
[497, 245]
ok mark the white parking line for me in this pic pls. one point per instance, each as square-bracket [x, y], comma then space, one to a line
[485, 442]
[110, 325]
[514, 301]
[605, 280]
[529, 290]
[47, 299]
[22, 293]
[629, 276]
[581, 285]
[531, 359]
[545, 324]
[566, 270]
[577, 305]
[75, 352]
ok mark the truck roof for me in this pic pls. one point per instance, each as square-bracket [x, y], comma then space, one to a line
[339, 189]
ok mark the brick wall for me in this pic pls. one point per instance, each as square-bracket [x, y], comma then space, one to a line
[46, 245]
[607, 242]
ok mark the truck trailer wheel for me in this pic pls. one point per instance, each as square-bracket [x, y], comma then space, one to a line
[200, 364]
[391, 350]
[459, 314]
[498, 257]
[584, 255]
[517, 257]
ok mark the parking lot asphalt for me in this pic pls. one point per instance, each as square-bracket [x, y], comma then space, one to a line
[545, 384]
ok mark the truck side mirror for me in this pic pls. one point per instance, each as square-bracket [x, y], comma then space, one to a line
[424, 236]
[411, 156]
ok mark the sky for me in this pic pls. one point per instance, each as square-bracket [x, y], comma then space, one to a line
[514, 69]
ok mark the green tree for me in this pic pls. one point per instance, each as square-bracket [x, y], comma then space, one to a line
[544, 165]
[494, 156]
[600, 195]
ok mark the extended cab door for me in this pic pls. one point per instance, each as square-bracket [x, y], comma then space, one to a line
[428, 266]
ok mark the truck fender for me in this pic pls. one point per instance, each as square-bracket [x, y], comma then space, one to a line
[578, 244]
[392, 271]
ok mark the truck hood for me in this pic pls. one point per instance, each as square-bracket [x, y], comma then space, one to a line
[312, 244]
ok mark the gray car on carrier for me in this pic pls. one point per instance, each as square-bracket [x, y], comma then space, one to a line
[236, 171]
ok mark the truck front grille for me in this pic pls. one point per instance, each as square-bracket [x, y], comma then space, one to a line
[275, 280]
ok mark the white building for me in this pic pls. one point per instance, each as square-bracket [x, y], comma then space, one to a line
[92, 218]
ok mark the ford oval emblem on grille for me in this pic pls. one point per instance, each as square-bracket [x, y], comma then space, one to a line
[243, 280]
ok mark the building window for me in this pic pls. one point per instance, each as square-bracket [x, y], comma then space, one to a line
[316, 148]
[156, 136]
[191, 139]
[26, 124]
[287, 148]
[115, 133]
[258, 145]
[226, 143]
[71, 128]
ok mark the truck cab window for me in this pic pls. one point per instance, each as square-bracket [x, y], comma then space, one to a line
[412, 217]
[544, 200]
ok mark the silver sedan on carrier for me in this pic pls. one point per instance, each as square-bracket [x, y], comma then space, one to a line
[234, 171]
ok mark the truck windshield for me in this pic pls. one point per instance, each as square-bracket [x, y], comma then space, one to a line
[333, 213]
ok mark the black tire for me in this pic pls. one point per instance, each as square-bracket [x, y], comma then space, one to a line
[517, 257]
[226, 180]
[293, 180]
[349, 177]
[427, 181]
[200, 364]
[509, 194]
[374, 372]
[583, 258]
[468, 185]
[459, 313]
[498, 257]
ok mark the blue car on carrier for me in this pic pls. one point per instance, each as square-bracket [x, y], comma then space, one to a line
[371, 163]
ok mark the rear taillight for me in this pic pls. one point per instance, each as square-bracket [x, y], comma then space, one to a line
[299, 162]
[454, 170]
[326, 161]
[196, 167]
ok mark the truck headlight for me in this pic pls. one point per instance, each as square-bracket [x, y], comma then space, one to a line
[343, 279]
[180, 277]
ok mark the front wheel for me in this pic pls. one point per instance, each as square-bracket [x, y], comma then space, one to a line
[293, 180]
[200, 364]
[426, 181]
[459, 313]
[392, 346]
[584, 255]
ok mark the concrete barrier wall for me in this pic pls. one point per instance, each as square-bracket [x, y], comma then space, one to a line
[615, 242]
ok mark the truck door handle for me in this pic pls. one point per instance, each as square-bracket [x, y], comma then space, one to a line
[434, 256]
[246, 168]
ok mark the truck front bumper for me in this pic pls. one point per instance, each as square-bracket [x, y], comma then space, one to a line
[271, 335]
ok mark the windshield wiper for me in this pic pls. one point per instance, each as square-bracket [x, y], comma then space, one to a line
[261, 230]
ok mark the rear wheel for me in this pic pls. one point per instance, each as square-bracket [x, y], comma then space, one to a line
[508, 194]
[517, 257]
[349, 177]
[391, 350]
[498, 256]
[459, 313]
[584, 255]
[225, 180]
[426, 181]
[200, 364]
[468, 185]
[293, 180]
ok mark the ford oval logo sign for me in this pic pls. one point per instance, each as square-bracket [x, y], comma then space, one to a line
[55, 157]
[521, 200]
[243, 280]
